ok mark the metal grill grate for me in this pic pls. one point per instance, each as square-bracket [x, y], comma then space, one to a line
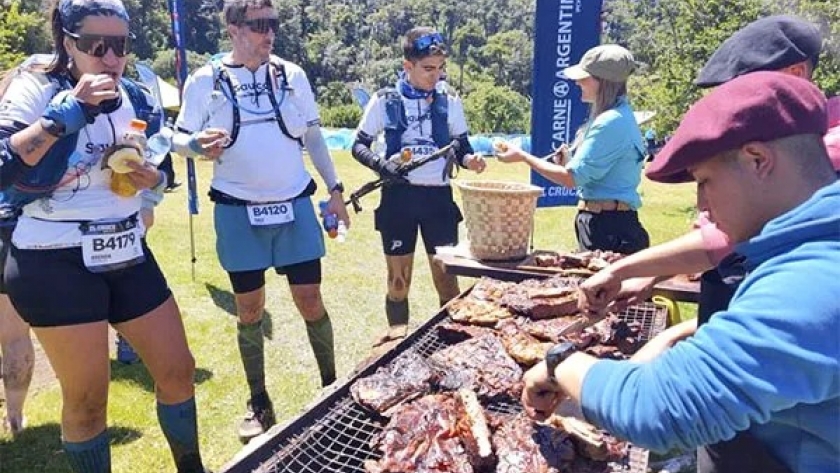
[335, 435]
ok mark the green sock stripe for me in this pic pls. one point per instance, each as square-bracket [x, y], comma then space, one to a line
[396, 311]
[320, 333]
[250, 340]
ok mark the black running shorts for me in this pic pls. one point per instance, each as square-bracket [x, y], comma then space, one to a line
[53, 288]
[404, 209]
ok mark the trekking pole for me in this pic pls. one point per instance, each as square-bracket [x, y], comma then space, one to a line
[192, 203]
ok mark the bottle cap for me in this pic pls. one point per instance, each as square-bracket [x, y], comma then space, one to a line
[138, 124]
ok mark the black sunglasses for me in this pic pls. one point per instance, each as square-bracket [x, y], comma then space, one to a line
[97, 45]
[263, 25]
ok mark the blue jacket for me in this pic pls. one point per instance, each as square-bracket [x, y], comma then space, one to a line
[769, 364]
[607, 165]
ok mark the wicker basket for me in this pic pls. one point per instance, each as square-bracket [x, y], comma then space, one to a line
[499, 218]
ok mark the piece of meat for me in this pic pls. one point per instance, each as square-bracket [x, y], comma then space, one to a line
[523, 446]
[453, 332]
[489, 289]
[433, 434]
[480, 364]
[543, 298]
[550, 330]
[406, 376]
[591, 442]
[520, 345]
[477, 312]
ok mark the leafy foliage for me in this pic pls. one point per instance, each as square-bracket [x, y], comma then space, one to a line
[491, 108]
[491, 44]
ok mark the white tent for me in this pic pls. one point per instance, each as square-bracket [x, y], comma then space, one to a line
[644, 116]
[169, 95]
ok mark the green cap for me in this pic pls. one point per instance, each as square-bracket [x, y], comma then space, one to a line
[609, 62]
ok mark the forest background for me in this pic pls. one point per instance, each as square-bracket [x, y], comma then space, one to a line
[356, 42]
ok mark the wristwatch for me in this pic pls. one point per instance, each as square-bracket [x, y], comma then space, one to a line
[338, 187]
[556, 355]
[52, 127]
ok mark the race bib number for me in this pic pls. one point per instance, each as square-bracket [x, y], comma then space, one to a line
[111, 245]
[277, 213]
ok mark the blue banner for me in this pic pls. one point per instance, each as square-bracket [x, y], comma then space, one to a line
[565, 29]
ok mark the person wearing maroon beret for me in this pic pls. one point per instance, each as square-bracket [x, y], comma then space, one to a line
[768, 366]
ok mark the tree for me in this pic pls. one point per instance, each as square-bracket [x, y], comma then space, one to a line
[497, 109]
[21, 34]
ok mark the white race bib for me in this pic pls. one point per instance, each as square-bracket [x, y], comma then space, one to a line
[276, 213]
[111, 245]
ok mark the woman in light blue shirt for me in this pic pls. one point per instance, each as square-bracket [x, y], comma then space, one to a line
[606, 157]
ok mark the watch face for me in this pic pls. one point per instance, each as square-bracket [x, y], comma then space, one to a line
[557, 354]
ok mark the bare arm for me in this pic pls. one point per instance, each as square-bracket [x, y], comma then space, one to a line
[551, 171]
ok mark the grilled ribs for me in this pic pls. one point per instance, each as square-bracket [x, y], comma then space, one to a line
[407, 376]
[480, 364]
[434, 434]
[610, 338]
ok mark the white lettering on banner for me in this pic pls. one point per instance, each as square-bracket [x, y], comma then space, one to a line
[559, 191]
[562, 106]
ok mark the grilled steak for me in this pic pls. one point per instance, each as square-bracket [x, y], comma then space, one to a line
[550, 330]
[543, 299]
[520, 345]
[454, 332]
[480, 364]
[407, 376]
[477, 312]
[593, 260]
[434, 434]
[489, 289]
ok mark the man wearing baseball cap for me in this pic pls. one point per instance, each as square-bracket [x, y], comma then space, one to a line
[769, 364]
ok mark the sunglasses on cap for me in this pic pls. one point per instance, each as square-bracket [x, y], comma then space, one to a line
[263, 25]
[427, 41]
[97, 45]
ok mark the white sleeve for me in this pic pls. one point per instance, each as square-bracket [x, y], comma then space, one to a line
[25, 99]
[457, 120]
[196, 99]
[304, 98]
[320, 155]
[373, 122]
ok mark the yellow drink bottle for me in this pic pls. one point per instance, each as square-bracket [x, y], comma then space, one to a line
[131, 148]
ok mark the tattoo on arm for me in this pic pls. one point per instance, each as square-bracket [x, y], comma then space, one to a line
[34, 145]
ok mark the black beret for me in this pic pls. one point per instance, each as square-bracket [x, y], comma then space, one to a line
[767, 44]
[762, 106]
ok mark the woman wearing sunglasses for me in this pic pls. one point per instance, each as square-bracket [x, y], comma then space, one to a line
[82, 242]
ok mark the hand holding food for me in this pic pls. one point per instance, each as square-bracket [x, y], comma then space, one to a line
[508, 153]
[476, 163]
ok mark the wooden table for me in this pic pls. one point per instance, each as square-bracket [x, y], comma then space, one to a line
[678, 288]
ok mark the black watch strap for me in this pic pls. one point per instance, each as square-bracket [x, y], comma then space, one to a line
[556, 355]
[338, 187]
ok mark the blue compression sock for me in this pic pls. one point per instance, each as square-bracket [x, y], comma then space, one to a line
[178, 422]
[90, 456]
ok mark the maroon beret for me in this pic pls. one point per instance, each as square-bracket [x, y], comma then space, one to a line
[760, 106]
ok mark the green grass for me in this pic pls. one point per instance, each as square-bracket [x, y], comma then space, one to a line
[353, 289]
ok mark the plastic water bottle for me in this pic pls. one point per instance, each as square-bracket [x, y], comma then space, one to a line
[160, 144]
[341, 232]
[328, 220]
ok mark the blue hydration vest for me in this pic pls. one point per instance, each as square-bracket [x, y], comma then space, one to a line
[395, 120]
[41, 180]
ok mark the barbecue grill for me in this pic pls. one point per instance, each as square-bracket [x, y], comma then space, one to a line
[334, 434]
